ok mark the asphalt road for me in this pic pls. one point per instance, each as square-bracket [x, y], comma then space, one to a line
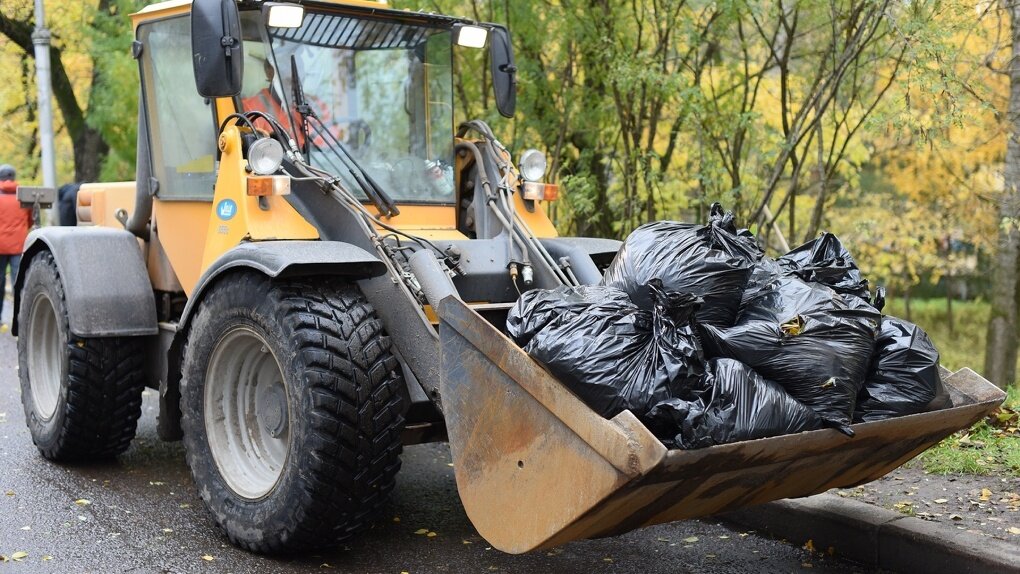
[141, 513]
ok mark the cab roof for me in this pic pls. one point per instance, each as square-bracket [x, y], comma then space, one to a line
[377, 7]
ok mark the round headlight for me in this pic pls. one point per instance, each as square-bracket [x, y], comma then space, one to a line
[265, 156]
[533, 165]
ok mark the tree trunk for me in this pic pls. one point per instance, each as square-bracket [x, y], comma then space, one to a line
[1001, 341]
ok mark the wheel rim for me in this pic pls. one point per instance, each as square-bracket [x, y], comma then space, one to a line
[247, 413]
[45, 357]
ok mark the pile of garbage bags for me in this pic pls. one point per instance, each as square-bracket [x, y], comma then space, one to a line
[708, 341]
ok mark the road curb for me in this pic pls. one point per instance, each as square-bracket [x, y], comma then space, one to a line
[878, 537]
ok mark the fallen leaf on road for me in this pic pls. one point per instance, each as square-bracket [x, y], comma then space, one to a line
[3, 558]
[724, 537]
[47, 558]
[26, 528]
[9, 493]
[985, 494]
[83, 502]
[469, 542]
[422, 531]
[955, 517]
[167, 530]
[661, 539]
[19, 556]
[1013, 530]
[941, 500]
[691, 539]
[326, 565]
[207, 558]
[396, 519]
[809, 546]
[431, 535]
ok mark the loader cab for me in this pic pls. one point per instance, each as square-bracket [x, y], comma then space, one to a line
[382, 88]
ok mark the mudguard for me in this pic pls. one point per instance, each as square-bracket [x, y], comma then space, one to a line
[289, 259]
[105, 282]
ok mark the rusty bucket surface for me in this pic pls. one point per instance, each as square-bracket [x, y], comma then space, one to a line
[536, 468]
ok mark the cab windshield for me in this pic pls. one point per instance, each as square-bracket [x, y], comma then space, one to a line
[383, 90]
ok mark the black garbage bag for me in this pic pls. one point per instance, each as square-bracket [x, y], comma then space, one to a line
[738, 404]
[824, 260]
[615, 356]
[807, 338]
[904, 377]
[765, 271]
[537, 308]
[711, 261]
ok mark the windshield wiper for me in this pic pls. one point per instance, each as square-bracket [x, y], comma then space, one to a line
[382, 201]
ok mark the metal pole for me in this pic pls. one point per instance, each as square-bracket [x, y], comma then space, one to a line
[41, 41]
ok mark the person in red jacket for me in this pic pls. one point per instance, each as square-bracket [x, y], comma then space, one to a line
[15, 221]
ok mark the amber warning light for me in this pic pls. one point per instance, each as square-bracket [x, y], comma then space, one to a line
[536, 191]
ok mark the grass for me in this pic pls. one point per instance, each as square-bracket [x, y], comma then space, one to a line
[992, 446]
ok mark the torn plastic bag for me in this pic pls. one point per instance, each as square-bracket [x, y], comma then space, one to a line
[738, 404]
[807, 338]
[615, 356]
[711, 261]
[904, 377]
[824, 260]
[537, 308]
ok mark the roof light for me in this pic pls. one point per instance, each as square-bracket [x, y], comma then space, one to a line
[471, 36]
[283, 15]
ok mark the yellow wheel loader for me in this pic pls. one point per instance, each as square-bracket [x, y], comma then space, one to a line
[314, 268]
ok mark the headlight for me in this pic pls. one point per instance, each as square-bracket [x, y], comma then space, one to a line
[265, 156]
[533, 165]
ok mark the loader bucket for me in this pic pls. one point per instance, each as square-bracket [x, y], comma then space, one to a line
[536, 468]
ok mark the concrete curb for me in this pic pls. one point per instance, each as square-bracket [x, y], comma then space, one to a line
[877, 537]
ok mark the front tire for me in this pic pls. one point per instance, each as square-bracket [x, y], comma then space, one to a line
[82, 396]
[291, 411]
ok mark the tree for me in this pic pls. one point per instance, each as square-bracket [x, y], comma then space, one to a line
[94, 79]
[1001, 341]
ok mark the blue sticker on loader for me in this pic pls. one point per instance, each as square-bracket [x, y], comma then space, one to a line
[226, 209]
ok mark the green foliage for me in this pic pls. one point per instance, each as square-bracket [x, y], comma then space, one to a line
[662, 107]
[113, 99]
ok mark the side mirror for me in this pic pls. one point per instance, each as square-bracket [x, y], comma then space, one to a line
[504, 71]
[216, 48]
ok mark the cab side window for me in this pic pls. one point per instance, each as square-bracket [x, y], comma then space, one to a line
[182, 135]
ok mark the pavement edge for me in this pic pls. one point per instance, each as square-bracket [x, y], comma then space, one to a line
[878, 537]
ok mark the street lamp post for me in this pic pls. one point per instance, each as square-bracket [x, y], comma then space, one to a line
[41, 42]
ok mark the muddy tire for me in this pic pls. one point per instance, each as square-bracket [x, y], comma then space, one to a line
[82, 396]
[292, 411]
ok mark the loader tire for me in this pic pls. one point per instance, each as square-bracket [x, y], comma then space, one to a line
[292, 412]
[82, 396]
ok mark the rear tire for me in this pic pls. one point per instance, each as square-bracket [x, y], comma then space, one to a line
[82, 396]
[292, 411]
